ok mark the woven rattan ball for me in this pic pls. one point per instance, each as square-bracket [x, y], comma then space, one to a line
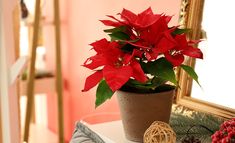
[159, 132]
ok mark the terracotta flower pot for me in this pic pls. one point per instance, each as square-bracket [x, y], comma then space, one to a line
[139, 111]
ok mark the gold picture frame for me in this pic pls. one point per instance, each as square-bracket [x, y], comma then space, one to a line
[191, 14]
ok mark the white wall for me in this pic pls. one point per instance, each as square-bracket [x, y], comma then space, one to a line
[8, 97]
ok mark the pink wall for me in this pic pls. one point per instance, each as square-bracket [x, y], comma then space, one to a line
[81, 27]
[50, 58]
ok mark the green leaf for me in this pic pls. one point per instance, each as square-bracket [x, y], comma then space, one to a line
[133, 41]
[135, 83]
[118, 33]
[116, 29]
[161, 68]
[180, 31]
[119, 36]
[139, 86]
[148, 87]
[103, 93]
[151, 84]
[157, 81]
[190, 72]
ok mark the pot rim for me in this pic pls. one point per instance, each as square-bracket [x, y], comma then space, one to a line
[148, 93]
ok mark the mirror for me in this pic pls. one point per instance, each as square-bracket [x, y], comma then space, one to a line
[216, 70]
[214, 23]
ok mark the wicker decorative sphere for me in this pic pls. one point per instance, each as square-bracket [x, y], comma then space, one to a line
[159, 132]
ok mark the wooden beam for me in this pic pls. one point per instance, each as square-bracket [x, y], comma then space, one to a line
[59, 82]
[30, 86]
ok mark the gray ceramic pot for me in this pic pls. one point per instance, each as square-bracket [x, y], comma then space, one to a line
[139, 111]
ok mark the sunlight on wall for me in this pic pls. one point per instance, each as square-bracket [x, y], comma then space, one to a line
[24, 44]
[216, 71]
[40, 109]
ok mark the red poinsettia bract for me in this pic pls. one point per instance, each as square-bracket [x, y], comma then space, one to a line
[116, 73]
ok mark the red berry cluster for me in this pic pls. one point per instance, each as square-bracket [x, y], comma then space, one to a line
[226, 134]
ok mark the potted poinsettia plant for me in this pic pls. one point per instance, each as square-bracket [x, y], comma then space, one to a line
[141, 55]
[140, 45]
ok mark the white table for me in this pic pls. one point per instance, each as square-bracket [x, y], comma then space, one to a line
[111, 132]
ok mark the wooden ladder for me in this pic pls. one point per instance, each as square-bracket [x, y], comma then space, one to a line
[30, 82]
